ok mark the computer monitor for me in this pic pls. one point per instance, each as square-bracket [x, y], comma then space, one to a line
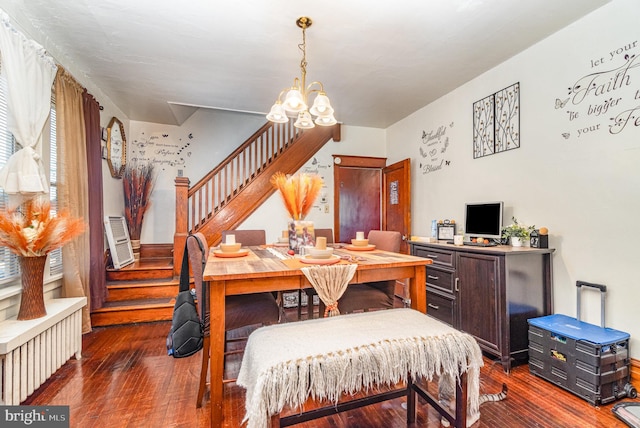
[483, 220]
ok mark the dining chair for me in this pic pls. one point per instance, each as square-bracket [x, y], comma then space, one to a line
[327, 233]
[373, 295]
[240, 311]
[251, 238]
[310, 292]
[247, 237]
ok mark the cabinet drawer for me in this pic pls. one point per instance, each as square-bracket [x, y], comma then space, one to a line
[440, 278]
[439, 257]
[440, 307]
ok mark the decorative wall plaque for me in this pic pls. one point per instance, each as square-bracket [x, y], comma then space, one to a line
[496, 122]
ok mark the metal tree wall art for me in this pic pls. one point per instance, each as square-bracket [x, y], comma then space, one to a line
[496, 122]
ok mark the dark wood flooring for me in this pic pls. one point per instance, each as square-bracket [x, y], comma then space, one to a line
[125, 379]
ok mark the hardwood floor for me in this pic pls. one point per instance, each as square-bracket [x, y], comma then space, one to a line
[125, 379]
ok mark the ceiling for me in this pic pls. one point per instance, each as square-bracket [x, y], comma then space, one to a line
[379, 61]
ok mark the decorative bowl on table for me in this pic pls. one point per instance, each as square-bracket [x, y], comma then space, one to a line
[317, 253]
[360, 242]
[230, 248]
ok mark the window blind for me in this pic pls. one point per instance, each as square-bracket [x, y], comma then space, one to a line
[9, 266]
[55, 257]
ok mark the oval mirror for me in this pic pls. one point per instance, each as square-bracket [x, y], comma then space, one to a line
[116, 148]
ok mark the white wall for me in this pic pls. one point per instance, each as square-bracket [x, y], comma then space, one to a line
[583, 186]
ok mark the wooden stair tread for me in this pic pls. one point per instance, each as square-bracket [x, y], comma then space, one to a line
[160, 282]
[147, 264]
[135, 304]
[143, 270]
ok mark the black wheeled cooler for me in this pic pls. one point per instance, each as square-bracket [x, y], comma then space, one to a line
[588, 360]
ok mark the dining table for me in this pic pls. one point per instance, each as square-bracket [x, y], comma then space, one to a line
[270, 268]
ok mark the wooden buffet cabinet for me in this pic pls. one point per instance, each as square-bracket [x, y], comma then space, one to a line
[489, 292]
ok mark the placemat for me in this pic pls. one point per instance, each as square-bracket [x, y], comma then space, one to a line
[249, 257]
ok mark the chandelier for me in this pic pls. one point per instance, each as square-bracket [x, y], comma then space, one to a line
[295, 101]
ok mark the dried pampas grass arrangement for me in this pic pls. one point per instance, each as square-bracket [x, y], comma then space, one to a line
[137, 182]
[33, 231]
[298, 192]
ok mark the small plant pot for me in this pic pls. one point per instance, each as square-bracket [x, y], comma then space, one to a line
[516, 241]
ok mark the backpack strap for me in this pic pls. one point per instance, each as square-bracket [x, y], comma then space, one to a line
[184, 269]
[205, 289]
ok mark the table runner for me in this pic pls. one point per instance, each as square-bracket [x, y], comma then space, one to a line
[330, 282]
[285, 364]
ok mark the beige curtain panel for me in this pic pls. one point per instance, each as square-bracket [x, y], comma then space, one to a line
[73, 192]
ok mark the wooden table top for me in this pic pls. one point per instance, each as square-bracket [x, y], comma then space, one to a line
[270, 261]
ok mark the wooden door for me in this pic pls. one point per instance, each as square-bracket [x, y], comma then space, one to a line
[396, 200]
[358, 195]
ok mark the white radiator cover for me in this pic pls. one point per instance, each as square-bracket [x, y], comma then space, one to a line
[31, 351]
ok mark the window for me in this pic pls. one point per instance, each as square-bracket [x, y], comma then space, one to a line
[55, 256]
[9, 265]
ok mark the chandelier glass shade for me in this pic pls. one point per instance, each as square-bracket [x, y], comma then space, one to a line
[295, 99]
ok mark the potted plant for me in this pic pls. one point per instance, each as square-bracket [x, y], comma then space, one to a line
[137, 182]
[518, 233]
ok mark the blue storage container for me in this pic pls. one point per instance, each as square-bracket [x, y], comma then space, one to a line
[588, 360]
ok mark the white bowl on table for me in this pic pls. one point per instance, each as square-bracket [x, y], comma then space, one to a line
[360, 242]
[317, 253]
[230, 248]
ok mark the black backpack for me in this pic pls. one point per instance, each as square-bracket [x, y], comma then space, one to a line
[187, 333]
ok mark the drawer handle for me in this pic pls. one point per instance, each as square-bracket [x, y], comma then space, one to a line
[432, 306]
[457, 287]
[433, 277]
[431, 256]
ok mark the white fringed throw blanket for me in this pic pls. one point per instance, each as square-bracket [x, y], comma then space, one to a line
[330, 283]
[285, 364]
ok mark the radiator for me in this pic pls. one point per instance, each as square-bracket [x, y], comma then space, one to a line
[31, 351]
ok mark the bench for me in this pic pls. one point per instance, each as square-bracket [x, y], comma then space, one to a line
[323, 359]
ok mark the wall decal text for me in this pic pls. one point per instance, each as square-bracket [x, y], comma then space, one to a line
[433, 149]
[608, 97]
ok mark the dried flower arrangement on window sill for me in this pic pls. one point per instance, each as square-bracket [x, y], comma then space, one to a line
[32, 232]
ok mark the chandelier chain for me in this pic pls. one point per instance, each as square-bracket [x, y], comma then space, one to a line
[303, 62]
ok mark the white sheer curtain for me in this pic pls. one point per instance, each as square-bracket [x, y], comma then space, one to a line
[29, 71]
